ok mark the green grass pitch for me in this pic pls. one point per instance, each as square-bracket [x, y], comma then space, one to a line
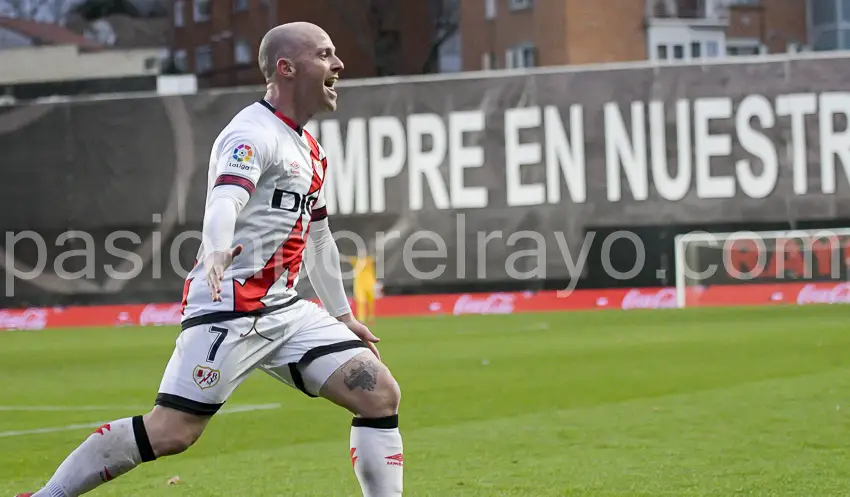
[719, 402]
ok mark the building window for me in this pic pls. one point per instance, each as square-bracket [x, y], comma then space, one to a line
[521, 56]
[203, 59]
[688, 50]
[242, 52]
[826, 40]
[743, 47]
[179, 7]
[696, 50]
[824, 12]
[450, 59]
[520, 4]
[181, 60]
[489, 9]
[240, 5]
[201, 10]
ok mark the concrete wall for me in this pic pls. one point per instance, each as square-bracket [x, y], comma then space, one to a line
[62, 63]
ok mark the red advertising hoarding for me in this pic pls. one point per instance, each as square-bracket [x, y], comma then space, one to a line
[465, 303]
[404, 305]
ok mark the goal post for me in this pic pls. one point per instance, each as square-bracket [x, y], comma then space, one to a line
[754, 266]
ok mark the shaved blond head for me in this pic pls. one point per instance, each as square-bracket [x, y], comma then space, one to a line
[286, 41]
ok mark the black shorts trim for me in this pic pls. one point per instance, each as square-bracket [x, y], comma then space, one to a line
[221, 316]
[186, 405]
[313, 354]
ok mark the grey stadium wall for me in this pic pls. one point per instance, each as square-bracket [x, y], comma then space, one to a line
[657, 150]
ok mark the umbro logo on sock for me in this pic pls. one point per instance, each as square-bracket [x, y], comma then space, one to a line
[395, 460]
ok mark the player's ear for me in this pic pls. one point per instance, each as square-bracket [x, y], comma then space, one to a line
[285, 68]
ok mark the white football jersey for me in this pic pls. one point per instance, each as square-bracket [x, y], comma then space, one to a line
[283, 169]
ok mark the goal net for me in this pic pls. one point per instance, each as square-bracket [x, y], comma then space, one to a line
[747, 267]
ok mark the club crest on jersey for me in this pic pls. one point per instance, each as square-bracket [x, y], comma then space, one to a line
[206, 377]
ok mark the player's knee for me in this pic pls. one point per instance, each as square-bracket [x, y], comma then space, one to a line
[384, 401]
[171, 432]
[176, 440]
[393, 395]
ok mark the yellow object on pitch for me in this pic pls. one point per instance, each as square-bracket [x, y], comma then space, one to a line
[365, 281]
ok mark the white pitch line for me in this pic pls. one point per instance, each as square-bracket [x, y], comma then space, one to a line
[16, 433]
[249, 408]
[36, 431]
[69, 408]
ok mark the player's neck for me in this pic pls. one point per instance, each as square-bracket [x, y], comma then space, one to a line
[285, 106]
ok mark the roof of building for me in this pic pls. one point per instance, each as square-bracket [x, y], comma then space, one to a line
[47, 34]
[125, 31]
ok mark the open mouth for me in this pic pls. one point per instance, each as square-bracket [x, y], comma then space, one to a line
[329, 84]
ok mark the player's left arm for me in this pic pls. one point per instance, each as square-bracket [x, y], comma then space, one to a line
[322, 262]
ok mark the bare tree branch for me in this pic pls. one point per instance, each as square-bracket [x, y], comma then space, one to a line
[446, 25]
[375, 30]
[53, 11]
[361, 28]
[23, 9]
[57, 10]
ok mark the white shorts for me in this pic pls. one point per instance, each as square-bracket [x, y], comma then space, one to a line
[300, 345]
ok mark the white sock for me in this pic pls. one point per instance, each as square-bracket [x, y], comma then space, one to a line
[112, 450]
[376, 454]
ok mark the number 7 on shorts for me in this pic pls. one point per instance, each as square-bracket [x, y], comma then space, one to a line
[222, 334]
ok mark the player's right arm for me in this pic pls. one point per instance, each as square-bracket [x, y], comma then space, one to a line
[240, 161]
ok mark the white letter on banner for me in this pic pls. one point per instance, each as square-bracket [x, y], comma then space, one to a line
[667, 186]
[708, 146]
[462, 157]
[569, 154]
[798, 106]
[620, 150]
[833, 142]
[422, 164]
[756, 143]
[519, 154]
[383, 165]
[347, 188]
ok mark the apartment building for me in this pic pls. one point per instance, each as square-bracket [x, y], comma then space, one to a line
[219, 39]
[499, 34]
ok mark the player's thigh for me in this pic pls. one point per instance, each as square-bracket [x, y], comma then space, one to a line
[317, 347]
[209, 362]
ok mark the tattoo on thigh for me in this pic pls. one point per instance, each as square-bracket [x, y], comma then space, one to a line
[361, 374]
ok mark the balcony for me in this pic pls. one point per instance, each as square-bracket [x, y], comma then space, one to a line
[685, 29]
[709, 12]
